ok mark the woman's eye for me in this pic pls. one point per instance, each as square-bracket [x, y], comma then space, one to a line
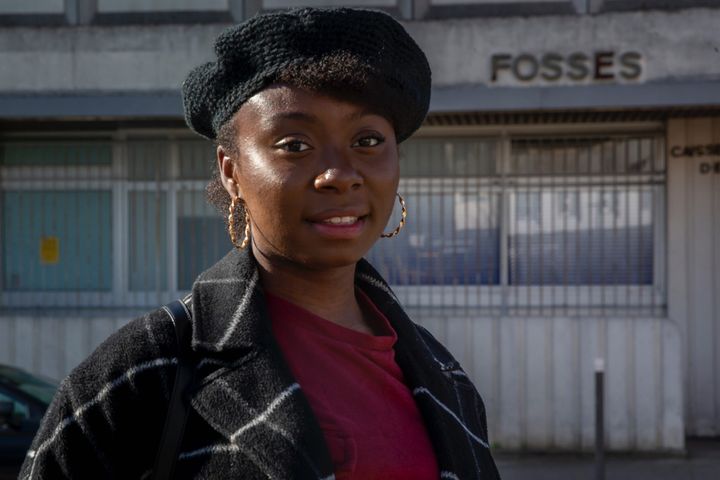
[294, 146]
[370, 141]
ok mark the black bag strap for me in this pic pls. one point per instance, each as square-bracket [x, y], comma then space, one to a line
[178, 408]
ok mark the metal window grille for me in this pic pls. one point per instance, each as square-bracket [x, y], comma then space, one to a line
[110, 222]
[507, 225]
[519, 226]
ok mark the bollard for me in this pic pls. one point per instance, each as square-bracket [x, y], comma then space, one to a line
[599, 419]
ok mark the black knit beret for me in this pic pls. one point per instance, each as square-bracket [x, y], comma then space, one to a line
[251, 55]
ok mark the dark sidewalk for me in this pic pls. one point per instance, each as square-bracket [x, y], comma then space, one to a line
[701, 462]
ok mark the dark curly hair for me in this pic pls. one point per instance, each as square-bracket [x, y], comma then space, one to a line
[340, 76]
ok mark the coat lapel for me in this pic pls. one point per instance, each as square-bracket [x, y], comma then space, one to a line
[451, 408]
[249, 394]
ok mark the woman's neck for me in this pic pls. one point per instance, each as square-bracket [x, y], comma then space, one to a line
[327, 293]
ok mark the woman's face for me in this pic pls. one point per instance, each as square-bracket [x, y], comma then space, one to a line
[318, 176]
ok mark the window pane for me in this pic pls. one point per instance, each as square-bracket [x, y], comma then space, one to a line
[202, 237]
[148, 160]
[586, 214]
[197, 158]
[147, 240]
[449, 239]
[55, 154]
[452, 235]
[432, 158]
[593, 155]
[21, 410]
[575, 237]
[57, 240]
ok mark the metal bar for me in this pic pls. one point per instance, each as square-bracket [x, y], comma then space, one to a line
[599, 419]
[504, 227]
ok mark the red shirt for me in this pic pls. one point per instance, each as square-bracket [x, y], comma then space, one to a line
[357, 392]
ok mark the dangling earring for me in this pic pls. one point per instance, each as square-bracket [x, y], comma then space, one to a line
[402, 219]
[231, 225]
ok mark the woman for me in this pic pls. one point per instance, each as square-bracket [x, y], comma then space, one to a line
[306, 365]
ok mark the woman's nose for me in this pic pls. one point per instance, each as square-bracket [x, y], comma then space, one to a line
[339, 176]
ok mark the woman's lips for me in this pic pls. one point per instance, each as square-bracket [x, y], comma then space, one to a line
[340, 227]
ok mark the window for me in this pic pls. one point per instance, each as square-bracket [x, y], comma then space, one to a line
[56, 217]
[100, 223]
[21, 410]
[540, 225]
[510, 225]
[452, 233]
[57, 240]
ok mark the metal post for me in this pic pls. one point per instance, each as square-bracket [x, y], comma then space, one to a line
[599, 419]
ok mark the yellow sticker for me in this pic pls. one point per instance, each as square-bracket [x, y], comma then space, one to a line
[49, 250]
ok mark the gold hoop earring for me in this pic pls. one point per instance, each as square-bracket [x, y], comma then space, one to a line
[402, 219]
[231, 225]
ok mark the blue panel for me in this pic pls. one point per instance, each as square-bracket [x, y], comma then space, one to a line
[79, 219]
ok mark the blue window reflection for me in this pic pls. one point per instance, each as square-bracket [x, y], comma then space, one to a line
[449, 239]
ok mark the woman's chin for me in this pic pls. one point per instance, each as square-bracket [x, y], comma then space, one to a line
[319, 258]
[332, 260]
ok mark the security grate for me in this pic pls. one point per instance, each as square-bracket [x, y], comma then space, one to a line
[531, 225]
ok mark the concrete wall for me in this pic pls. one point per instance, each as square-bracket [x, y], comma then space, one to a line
[535, 374]
[694, 265]
[52, 344]
[675, 46]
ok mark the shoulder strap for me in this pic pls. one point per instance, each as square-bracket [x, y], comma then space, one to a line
[178, 408]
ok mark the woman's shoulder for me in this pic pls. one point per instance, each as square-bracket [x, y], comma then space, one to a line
[116, 396]
[145, 343]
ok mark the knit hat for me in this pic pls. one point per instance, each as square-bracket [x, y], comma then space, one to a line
[251, 56]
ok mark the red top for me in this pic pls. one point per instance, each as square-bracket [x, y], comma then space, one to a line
[357, 392]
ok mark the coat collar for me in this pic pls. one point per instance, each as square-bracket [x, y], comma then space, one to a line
[253, 398]
[229, 306]
[246, 391]
[230, 302]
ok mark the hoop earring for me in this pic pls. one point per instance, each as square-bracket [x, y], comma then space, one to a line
[402, 219]
[231, 225]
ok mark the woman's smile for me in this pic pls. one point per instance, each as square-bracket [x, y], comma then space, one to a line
[341, 228]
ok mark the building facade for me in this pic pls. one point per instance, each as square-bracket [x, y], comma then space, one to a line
[564, 197]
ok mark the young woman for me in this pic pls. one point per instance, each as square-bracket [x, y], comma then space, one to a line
[306, 365]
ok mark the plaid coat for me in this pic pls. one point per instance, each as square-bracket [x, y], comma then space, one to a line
[249, 418]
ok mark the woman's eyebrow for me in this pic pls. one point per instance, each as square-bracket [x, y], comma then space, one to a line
[309, 117]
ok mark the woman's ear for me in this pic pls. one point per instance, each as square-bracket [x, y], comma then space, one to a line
[226, 168]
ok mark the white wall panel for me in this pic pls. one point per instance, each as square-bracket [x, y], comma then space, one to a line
[566, 403]
[645, 386]
[694, 281]
[535, 374]
[52, 345]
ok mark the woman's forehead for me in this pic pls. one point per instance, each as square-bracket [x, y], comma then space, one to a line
[280, 102]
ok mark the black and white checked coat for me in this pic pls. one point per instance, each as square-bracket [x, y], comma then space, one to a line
[249, 417]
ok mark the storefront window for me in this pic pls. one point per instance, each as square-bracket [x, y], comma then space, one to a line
[493, 222]
[570, 214]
